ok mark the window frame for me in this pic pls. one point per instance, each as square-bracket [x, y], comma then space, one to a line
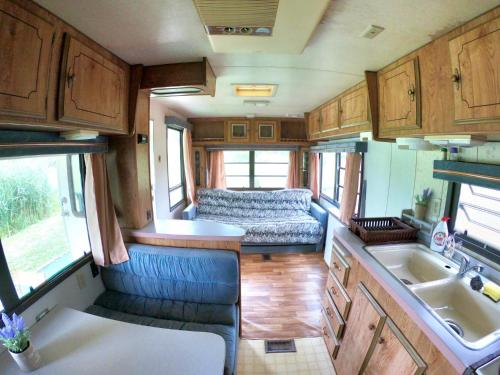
[337, 185]
[182, 184]
[12, 303]
[251, 170]
[451, 210]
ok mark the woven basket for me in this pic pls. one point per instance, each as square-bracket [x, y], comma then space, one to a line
[383, 230]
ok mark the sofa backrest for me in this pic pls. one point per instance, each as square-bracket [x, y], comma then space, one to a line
[254, 203]
[178, 274]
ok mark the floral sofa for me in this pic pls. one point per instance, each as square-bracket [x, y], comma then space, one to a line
[271, 218]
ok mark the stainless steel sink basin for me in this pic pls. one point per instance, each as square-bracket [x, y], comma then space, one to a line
[470, 315]
[413, 263]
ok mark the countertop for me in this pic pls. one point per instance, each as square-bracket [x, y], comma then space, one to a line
[77, 343]
[188, 230]
[457, 354]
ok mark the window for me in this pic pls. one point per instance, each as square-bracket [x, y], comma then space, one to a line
[256, 169]
[43, 228]
[475, 213]
[175, 167]
[333, 175]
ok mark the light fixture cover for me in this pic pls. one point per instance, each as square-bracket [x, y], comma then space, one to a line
[254, 90]
[173, 91]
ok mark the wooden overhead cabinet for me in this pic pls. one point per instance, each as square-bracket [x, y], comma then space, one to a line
[92, 89]
[475, 64]
[354, 108]
[313, 124]
[265, 131]
[399, 97]
[26, 50]
[329, 117]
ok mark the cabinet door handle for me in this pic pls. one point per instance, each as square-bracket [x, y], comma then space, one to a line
[334, 291]
[329, 312]
[371, 327]
[70, 78]
[336, 266]
[455, 78]
[411, 93]
[381, 340]
[325, 332]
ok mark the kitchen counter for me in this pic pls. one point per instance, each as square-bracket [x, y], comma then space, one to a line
[457, 354]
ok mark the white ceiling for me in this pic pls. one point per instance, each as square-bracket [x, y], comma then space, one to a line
[165, 31]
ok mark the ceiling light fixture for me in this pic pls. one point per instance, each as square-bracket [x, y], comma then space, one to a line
[254, 90]
[256, 103]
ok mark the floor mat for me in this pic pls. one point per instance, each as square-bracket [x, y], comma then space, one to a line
[311, 358]
[281, 297]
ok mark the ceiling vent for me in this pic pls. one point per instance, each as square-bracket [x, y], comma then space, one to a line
[238, 17]
[372, 31]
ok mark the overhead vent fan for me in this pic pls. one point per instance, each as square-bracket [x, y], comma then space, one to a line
[238, 17]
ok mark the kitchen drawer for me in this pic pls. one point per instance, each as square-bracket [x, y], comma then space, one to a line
[339, 295]
[339, 266]
[332, 344]
[334, 318]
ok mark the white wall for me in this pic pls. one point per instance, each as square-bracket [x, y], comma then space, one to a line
[68, 294]
[161, 204]
[393, 177]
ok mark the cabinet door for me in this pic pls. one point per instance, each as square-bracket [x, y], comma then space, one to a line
[362, 329]
[394, 355]
[265, 131]
[314, 123]
[399, 96]
[330, 117]
[92, 89]
[354, 108]
[238, 131]
[475, 63]
[26, 50]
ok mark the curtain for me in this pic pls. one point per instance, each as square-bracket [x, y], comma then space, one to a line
[314, 174]
[293, 179]
[351, 184]
[188, 166]
[216, 175]
[105, 235]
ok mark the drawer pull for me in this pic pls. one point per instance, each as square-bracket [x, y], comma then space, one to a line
[334, 291]
[329, 312]
[325, 332]
[381, 340]
[336, 266]
[371, 327]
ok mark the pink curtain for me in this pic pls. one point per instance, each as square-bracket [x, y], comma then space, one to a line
[188, 166]
[314, 174]
[351, 184]
[293, 179]
[105, 235]
[216, 175]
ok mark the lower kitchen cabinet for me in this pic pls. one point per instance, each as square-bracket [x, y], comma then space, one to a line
[393, 354]
[365, 323]
[367, 332]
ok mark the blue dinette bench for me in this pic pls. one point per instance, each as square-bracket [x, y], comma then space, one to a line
[175, 288]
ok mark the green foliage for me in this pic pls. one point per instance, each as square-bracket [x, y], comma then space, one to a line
[25, 198]
[19, 343]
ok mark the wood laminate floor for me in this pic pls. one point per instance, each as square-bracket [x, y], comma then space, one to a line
[281, 297]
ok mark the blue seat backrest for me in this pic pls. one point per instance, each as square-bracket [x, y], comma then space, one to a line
[179, 274]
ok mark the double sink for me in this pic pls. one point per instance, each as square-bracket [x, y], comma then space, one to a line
[469, 315]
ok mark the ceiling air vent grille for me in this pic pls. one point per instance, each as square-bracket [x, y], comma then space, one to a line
[238, 17]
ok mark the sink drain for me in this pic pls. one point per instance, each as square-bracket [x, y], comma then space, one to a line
[455, 327]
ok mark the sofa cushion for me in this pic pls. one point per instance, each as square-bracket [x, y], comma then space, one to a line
[186, 275]
[295, 229]
[262, 204]
[168, 309]
[228, 332]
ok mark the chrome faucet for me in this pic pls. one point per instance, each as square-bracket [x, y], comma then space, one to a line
[466, 267]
